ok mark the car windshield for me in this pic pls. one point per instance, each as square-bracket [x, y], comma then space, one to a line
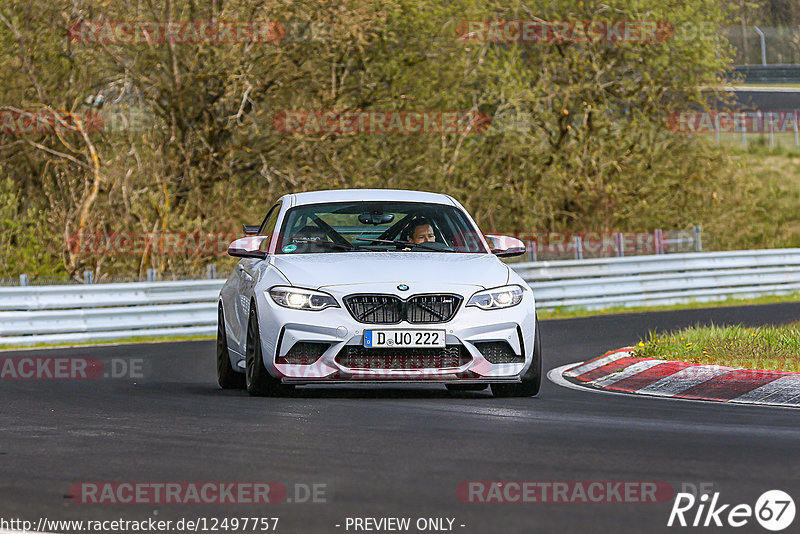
[377, 226]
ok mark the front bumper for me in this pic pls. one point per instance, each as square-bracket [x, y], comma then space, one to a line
[282, 328]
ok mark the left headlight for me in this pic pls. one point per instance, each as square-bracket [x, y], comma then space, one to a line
[497, 298]
[297, 298]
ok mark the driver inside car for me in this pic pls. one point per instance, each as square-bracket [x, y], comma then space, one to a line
[422, 232]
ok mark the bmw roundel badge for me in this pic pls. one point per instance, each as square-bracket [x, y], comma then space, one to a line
[402, 287]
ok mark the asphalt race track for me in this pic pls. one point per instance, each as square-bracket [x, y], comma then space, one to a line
[390, 451]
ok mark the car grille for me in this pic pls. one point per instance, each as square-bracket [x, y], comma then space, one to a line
[375, 309]
[389, 309]
[358, 357]
[498, 352]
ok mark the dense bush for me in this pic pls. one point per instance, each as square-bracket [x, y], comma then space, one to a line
[578, 139]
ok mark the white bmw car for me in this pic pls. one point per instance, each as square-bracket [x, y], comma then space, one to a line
[375, 286]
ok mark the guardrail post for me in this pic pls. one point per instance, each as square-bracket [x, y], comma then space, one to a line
[744, 135]
[771, 133]
[151, 275]
[759, 122]
[620, 244]
[698, 239]
[211, 271]
[23, 279]
[88, 277]
[532, 246]
[578, 244]
[658, 237]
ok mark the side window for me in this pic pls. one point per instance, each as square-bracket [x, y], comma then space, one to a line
[268, 226]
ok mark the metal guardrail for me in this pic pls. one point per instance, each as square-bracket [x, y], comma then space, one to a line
[662, 280]
[556, 246]
[769, 73]
[81, 313]
[96, 312]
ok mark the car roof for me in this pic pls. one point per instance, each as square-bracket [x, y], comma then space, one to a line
[355, 195]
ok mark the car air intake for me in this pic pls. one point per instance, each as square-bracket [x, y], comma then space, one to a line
[358, 357]
[389, 309]
[498, 352]
[303, 353]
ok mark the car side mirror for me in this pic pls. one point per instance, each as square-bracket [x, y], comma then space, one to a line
[504, 246]
[251, 229]
[248, 247]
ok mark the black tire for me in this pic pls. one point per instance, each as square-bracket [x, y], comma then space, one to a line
[258, 381]
[531, 380]
[466, 387]
[226, 376]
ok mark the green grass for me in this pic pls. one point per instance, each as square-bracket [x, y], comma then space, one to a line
[569, 313]
[774, 348]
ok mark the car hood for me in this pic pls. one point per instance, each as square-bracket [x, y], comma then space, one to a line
[343, 268]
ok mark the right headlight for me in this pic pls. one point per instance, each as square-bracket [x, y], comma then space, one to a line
[302, 299]
[497, 298]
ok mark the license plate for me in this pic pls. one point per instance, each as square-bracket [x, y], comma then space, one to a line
[403, 339]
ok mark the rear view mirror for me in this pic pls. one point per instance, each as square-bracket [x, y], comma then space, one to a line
[248, 247]
[375, 218]
[505, 246]
[251, 229]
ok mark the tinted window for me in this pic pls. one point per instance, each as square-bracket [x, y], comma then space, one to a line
[354, 226]
[268, 226]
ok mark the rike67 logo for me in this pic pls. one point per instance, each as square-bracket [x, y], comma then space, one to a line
[774, 510]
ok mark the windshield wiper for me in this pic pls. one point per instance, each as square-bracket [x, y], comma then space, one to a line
[404, 243]
[331, 244]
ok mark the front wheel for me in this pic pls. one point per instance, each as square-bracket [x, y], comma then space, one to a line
[226, 376]
[532, 378]
[258, 381]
